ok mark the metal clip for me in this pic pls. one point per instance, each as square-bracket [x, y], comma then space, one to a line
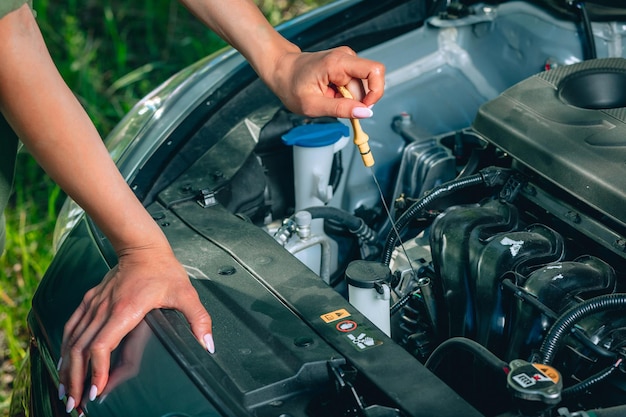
[206, 198]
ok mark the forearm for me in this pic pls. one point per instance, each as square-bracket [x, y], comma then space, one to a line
[242, 25]
[303, 81]
[56, 130]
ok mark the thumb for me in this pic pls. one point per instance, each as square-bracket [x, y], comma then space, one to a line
[200, 322]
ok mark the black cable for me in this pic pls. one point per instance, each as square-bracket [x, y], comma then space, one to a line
[467, 345]
[580, 335]
[583, 386]
[564, 325]
[589, 45]
[487, 177]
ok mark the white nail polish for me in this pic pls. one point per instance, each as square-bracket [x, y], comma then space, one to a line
[70, 404]
[361, 112]
[93, 393]
[61, 391]
[59, 363]
[208, 341]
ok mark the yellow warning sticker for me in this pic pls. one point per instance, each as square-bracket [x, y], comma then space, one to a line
[335, 315]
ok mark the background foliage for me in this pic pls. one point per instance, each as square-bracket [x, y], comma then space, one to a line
[111, 53]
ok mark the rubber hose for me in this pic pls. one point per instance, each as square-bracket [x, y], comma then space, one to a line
[583, 386]
[487, 177]
[333, 213]
[400, 303]
[587, 32]
[563, 326]
[467, 345]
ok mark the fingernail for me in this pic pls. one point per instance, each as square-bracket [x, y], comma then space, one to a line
[208, 341]
[70, 404]
[93, 393]
[371, 106]
[59, 363]
[61, 391]
[361, 113]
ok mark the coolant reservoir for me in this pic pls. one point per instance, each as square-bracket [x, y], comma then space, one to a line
[313, 148]
[369, 291]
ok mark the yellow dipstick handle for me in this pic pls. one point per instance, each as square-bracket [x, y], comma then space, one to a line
[360, 137]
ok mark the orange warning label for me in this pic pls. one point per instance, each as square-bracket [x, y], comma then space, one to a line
[548, 371]
[335, 315]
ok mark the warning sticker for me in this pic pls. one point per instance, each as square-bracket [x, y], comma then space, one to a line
[346, 326]
[548, 371]
[335, 315]
[363, 341]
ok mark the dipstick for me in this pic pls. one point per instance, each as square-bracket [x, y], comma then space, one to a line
[360, 140]
[360, 137]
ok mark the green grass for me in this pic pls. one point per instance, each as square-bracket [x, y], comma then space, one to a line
[30, 223]
[111, 53]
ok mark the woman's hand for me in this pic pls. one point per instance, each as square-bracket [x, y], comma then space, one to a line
[305, 82]
[145, 278]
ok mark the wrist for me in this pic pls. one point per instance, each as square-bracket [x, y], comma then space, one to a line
[271, 63]
[136, 231]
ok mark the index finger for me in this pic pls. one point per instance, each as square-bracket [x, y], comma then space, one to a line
[371, 74]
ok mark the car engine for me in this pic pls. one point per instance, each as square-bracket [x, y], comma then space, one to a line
[495, 251]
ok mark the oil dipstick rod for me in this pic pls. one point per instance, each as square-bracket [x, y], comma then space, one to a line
[360, 140]
[360, 137]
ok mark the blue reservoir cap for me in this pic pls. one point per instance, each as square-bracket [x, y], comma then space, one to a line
[316, 135]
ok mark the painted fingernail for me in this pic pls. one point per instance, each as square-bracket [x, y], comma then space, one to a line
[361, 113]
[61, 391]
[70, 404]
[59, 363]
[208, 341]
[93, 393]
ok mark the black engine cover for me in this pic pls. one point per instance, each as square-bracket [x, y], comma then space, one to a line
[568, 125]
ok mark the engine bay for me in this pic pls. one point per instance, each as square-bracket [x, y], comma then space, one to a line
[495, 251]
